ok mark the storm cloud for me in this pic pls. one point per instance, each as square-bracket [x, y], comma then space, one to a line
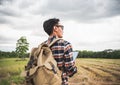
[25, 17]
[80, 10]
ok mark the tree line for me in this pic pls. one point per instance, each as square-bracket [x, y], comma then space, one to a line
[22, 47]
[109, 53]
[12, 54]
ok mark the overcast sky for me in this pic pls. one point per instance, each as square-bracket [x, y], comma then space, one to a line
[89, 24]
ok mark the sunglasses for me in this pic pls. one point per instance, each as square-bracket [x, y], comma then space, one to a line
[60, 26]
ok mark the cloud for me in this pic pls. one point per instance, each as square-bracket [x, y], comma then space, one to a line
[80, 10]
[4, 1]
[94, 36]
[9, 8]
[8, 12]
[5, 40]
[3, 20]
[96, 21]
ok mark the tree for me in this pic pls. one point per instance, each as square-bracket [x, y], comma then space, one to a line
[22, 47]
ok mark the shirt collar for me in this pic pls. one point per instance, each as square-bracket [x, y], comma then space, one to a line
[51, 38]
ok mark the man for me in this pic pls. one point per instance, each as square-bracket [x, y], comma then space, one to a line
[62, 50]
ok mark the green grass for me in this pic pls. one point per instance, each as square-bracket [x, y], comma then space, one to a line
[10, 70]
[4, 82]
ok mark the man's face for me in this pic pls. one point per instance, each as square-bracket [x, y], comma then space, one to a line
[59, 30]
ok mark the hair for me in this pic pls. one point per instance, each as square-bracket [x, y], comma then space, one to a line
[49, 24]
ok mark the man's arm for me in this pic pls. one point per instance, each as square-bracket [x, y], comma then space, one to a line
[68, 60]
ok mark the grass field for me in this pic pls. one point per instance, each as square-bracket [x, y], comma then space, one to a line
[90, 72]
[97, 72]
[10, 70]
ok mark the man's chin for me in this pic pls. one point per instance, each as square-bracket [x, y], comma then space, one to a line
[61, 37]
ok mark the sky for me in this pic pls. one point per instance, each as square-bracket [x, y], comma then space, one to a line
[88, 24]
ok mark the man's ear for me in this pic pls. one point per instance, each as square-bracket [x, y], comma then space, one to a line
[55, 29]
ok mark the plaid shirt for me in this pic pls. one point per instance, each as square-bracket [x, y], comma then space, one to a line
[62, 52]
